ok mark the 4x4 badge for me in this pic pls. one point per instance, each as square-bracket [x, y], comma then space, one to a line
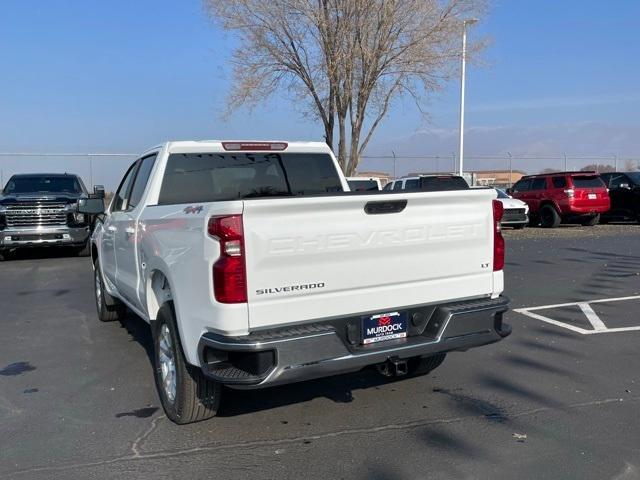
[190, 209]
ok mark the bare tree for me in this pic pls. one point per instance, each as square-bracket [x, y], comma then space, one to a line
[344, 60]
[549, 170]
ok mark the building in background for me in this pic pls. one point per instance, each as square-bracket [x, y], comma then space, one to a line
[383, 176]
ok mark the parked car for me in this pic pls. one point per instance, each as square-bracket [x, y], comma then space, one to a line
[41, 209]
[516, 212]
[358, 184]
[579, 197]
[624, 191]
[255, 267]
[439, 183]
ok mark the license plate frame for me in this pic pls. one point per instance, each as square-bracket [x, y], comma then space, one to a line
[592, 196]
[382, 327]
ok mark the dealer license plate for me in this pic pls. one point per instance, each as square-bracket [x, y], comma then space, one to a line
[384, 326]
[592, 196]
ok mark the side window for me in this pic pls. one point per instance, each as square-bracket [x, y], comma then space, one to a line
[413, 184]
[140, 183]
[559, 182]
[120, 198]
[616, 180]
[522, 186]
[388, 186]
[539, 183]
[397, 185]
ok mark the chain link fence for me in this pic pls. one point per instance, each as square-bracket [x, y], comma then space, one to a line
[94, 168]
[107, 168]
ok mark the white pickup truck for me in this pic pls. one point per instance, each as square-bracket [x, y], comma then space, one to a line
[255, 266]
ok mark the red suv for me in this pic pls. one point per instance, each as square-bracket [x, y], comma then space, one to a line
[563, 197]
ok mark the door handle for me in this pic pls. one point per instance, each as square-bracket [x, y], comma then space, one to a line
[129, 231]
[111, 228]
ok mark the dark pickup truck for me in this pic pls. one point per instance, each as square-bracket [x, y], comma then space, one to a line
[42, 210]
[624, 191]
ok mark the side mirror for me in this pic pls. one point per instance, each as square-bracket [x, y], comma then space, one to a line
[98, 191]
[91, 206]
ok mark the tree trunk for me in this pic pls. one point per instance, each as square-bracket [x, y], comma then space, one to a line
[342, 144]
[354, 158]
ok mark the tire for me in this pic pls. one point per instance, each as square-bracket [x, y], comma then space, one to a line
[549, 217]
[592, 221]
[518, 227]
[186, 395]
[423, 365]
[109, 308]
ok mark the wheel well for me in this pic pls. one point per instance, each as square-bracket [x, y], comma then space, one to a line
[158, 293]
[551, 204]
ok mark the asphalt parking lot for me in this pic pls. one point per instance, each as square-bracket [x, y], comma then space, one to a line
[559, 398]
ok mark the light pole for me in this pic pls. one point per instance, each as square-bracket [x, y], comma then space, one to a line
[510, 169]
[394, 164]
[469, 21]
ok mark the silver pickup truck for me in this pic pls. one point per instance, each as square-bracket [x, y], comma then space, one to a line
[42, 210]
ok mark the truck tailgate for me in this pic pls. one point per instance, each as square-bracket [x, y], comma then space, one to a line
[322, 257]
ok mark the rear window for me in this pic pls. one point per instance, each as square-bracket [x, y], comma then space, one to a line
[559, 182]
[444, 183]
[360, 185]
[587, 181]
[210, 177]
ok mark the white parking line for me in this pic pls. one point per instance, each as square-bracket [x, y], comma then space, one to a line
[592, 316]
[598, 325]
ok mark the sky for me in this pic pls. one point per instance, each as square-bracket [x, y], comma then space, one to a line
[122, 76]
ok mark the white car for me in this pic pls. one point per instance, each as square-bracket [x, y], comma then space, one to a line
[516, 212]
[255, 268]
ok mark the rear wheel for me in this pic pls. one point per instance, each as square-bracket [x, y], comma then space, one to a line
[549, 217]
[591, 221]
[109, 308]
[424, 365]
[186, 394]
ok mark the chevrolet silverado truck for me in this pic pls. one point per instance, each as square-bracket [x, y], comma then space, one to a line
[42, 210]
[256, 266]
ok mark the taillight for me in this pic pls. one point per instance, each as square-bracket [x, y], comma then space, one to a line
[229, 272]
[498, 239]
[570, 192]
